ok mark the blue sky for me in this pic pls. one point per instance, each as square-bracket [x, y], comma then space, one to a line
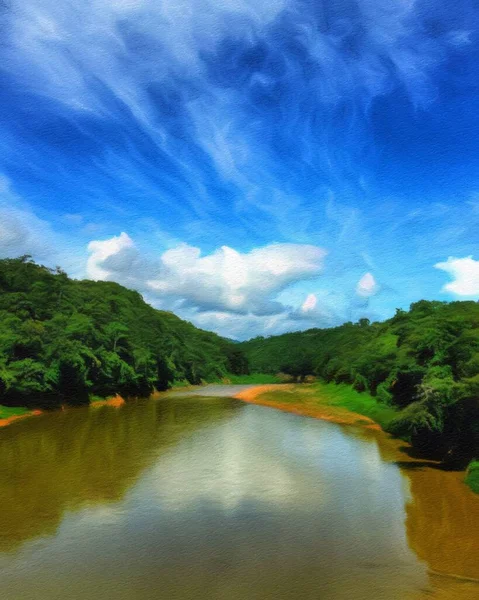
[254, 167]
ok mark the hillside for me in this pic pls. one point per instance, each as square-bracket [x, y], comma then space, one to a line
[63, 340]
[424, 363]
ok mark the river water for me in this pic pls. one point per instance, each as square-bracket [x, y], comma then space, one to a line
[192, 498]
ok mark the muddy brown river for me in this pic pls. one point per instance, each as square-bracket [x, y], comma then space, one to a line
[192, 498]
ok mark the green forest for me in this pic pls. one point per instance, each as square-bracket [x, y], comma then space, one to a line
[63, 341]
[423, 362]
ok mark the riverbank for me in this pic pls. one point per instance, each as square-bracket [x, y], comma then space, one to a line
[338, 405]
[342, 405]
[10, 414]
[115, 401]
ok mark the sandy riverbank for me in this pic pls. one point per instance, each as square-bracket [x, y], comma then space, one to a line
[115, 401]
[8, 420]
[309, 408]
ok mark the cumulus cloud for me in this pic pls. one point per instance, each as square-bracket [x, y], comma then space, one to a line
[367, 286]
[110, 255]
[465, 275]
[237, 282]
[225, 280]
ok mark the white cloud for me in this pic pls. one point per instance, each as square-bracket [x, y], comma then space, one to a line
[465, 275]
[225, 280]
[323, 308]
[229, 280]
[310, 303]
[243, 327]
[101, 251]
[367, 286]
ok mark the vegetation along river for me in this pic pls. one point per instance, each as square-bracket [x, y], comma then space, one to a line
[191, 497]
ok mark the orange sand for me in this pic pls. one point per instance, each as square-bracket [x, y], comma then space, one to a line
[116, 401]
[8, 420]
[335, 414]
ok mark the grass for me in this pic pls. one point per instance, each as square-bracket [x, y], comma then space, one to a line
[12, 411]
[95, 398]
[180, 383]
[360, 402]
[335, 395]
[472, 476]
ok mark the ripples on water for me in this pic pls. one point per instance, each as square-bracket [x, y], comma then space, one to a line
[192, 498]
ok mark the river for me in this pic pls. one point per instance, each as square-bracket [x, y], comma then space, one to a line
[192, 498]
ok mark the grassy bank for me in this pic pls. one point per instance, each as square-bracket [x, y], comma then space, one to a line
[335, 396]
[338, 404]
[6, 412]
[229, 379]
[345, 396]
[472, 476]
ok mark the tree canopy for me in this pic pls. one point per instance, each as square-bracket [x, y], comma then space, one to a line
[63, 340]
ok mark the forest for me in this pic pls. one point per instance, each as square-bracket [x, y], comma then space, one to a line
[63, 341]
[423, 362]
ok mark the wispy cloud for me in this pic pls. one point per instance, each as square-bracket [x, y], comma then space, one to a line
[233, 85]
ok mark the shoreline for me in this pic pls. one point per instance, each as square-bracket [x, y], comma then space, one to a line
[324, 412]
[115, 401]
[9, 420]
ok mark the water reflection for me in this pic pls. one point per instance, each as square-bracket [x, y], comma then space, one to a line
[211, 499]
[64, 460]
[442, 515]
[443, 522]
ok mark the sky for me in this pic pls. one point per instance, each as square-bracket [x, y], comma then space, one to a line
[254, 167]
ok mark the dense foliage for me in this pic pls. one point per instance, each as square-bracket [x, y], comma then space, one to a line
[424, 362]
[63, 340]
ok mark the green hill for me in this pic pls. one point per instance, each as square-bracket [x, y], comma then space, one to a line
[63, 340]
